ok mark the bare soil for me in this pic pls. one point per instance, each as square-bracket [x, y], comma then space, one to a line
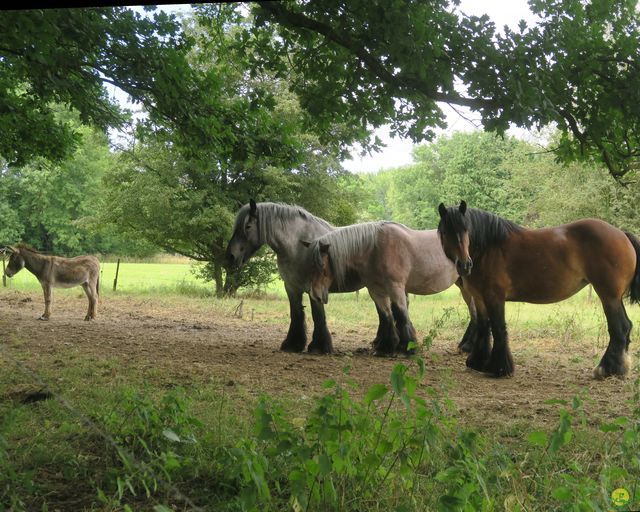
[190, 342]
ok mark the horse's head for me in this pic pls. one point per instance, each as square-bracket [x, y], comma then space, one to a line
[16, 261]
[246, 236]
[321, 276]
[453, 230]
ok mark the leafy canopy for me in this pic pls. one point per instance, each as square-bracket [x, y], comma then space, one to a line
[371, 62]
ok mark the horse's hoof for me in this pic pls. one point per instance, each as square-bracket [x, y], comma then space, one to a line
[606, 369]
[292, 347]
[43, 318]
[88, 318]
[465, 347]
[318, 351]
[475, 364]
[378, 353]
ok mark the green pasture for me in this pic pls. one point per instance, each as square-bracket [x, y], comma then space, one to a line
[579, 316]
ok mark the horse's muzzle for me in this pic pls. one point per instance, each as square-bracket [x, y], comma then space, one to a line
[464, 267]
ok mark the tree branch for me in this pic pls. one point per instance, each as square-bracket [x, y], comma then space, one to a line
[278, 12]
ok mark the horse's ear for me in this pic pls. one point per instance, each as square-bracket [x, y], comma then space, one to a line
[253, 208]
[462, 207]
[324, 247]
[306, 243]
[443, 210]
[10, 250]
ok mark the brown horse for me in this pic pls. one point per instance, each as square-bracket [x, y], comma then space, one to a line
[500, 261]
[55, 271]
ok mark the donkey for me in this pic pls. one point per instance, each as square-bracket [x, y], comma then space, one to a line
[55, 271]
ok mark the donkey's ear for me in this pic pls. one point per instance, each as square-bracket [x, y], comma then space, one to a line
[253, 208]
[462, 207]
[306, 243]
[442, 209]
[324, 247]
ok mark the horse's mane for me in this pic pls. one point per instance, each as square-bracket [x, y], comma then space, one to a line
[272, 214]
[27, 247]
[344, 244]
[487, 229]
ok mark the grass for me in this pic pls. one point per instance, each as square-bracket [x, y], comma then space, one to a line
[232, 452]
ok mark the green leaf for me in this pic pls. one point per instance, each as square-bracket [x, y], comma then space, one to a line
[538, 438]
[562, 494]
[171, 435]
[375, 392]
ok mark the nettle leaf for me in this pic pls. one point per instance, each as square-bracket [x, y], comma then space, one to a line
[375, 392]
[538, 438]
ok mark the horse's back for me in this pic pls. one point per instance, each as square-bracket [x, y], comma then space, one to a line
[68, 272]
[416, 258]
[551, 264]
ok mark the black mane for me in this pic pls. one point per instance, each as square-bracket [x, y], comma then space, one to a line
[485, 229]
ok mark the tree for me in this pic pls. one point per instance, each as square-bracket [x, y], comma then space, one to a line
[53, 205]
[180, 189]
[372, 63]
[65, 56]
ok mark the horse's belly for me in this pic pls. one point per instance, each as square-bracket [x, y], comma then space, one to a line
[546, 294]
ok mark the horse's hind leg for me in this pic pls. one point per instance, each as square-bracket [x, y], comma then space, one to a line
[321, 339]
[615, 360]
[46, 289]
[92, 297]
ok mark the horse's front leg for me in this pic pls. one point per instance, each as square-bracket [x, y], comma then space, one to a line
[46, 289]
[321, 339]
[500, 362]
[92, 297]
[481, 348]
[296, 338]
[387, 338]
[404, 327]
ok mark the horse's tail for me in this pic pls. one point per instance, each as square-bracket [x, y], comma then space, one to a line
[98, 285]
[634, 286]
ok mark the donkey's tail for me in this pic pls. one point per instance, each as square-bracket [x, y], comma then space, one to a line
[634, 286]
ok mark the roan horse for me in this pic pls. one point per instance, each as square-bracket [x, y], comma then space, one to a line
[501, 261]
[392, 261]
[55, 271]
[281, 227]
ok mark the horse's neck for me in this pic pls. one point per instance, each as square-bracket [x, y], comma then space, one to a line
[286, 240]
[35, 263]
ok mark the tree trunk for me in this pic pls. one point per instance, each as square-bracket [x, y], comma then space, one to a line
[217, 276]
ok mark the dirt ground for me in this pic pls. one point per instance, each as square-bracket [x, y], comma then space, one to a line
[189, 342]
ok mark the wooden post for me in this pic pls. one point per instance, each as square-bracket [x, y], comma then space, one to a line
[4, 278]
[115, 281]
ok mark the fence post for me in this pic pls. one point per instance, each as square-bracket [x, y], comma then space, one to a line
[4, 278]
[115, 281]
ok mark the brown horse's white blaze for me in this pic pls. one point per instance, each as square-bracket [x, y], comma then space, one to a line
[55, 271]
[542, 266]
